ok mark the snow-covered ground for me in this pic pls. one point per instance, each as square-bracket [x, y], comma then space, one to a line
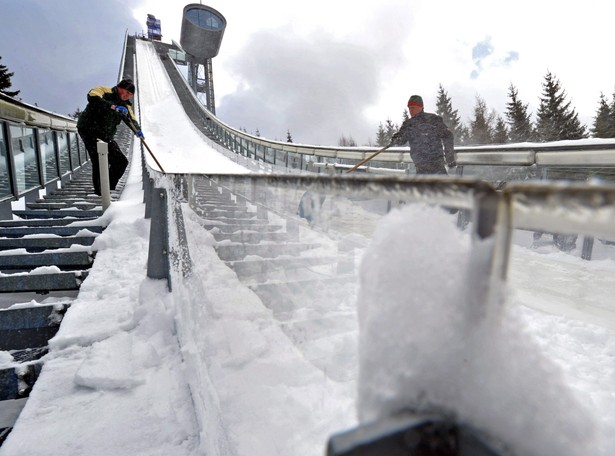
[211, 369]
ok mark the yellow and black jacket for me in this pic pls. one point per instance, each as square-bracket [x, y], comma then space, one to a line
[98, 119]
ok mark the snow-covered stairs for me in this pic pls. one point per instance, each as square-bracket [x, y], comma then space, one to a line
[297, 273]
[46, 252]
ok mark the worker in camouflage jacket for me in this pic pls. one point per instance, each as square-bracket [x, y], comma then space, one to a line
[431, 142]
[106, 107]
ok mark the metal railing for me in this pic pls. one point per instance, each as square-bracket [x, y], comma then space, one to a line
[531, 160]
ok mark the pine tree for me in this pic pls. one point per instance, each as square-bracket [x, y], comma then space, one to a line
[556, 120]
[77, 113]
[390, 129]
[346, 142]
[5, 81]
[603, 127]
[481, 129]
[381, 139]
[500, 133]
[289, 138]
[519, 121]
[464, 136]
[612, 116]
[450, 116]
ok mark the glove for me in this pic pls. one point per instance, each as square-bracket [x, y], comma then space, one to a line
[140, 134]
[121, 109]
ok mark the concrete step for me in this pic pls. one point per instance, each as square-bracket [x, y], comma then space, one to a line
[56, 230]
[253, 237]
[80, 205]
[262, 270]
[39, 244]
[234, 227]
[58, 213]
[64, 260]
[17, 382]
[29, 327]
[238, 251]
[42, 222]
[42, 283]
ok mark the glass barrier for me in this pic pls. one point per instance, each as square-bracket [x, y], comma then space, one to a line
[63, 152]
[74, 150]
[83, 153]
[48, 155]
[5, 178]
[496, 174]
[276, 272]
[279, 256]
[579, 173]
[23, 143]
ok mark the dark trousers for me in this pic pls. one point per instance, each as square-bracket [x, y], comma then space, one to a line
[431, 168]
[117, 161]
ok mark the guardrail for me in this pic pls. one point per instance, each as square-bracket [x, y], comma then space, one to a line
[37, 149]
[533, 158]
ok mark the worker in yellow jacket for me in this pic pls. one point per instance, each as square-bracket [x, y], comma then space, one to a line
[106, 108]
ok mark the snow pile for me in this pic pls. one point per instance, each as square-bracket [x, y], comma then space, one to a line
[428, 346]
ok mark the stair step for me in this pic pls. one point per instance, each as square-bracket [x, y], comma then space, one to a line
[58, 213]
[88, 198]
[38, 244]
[79, 205]
[262, 270]
[29, 327]
[42, 222]
[238, 251]
[63, 260]
[17, 382]
[234, 227]
[252, 237]
[42, 283]
[57, 230]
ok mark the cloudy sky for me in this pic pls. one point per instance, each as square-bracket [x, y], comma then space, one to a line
[322, 69]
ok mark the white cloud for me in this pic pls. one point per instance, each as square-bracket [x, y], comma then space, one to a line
[368, 59]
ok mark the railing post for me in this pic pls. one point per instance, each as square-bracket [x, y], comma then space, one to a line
[158, 254]
[588, 245]
[148, 185]
[491, 248]
[103, 165]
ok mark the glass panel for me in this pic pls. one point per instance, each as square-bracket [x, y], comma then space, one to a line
[48, 155]
[26, 161]
[578, 173]
[74, 151]
[498, 174]
[83, 153]
[204, 19]
[287, 253]
[5, 182]
[62, 138]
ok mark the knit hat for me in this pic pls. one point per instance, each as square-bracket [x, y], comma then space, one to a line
[127, 84]
[415, 100]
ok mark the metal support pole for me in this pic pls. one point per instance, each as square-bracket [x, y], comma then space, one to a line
[588, 245]
[158, 254]
[103, 165]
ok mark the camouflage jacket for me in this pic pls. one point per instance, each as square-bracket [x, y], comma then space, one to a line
[431, 142]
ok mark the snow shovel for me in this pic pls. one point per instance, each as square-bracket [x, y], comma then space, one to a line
[368, 158]
[145, 144]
